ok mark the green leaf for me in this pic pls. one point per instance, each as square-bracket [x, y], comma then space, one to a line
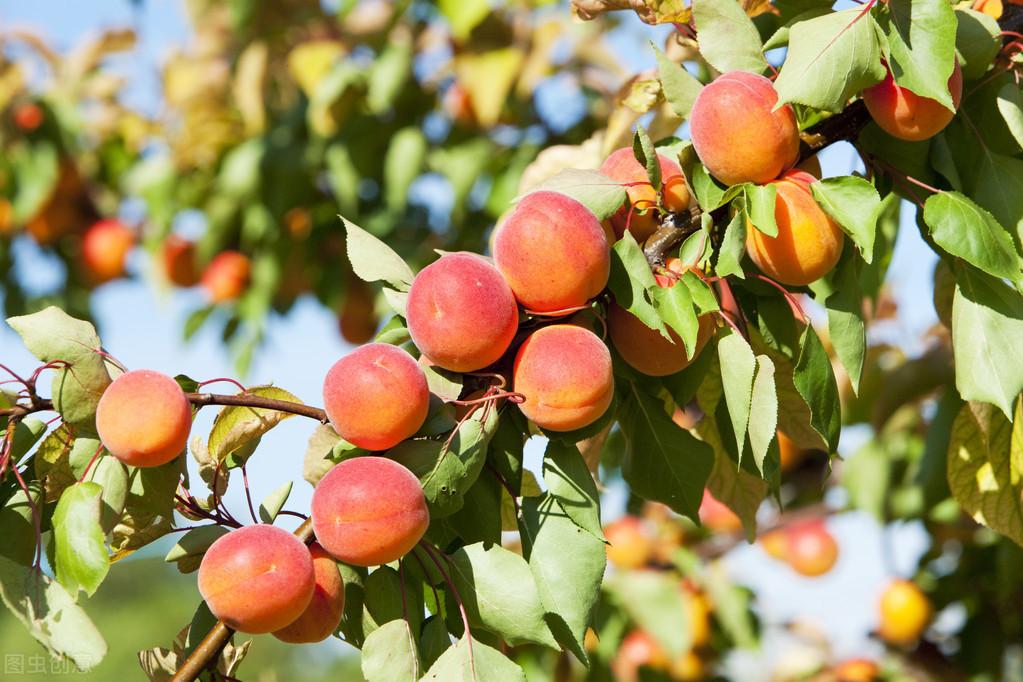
[405, 157]
[987, 323]
[485, 664]
[479, 519]
[867, 477]
[434, 640]
[921, 46]
[500, 594]
[736, 488]
[654, 600]
[594, 190]
[568, 565]
[977, 41]
[37, 168]
[52, 335]
[464, 15]
[732, 605]
[854, 204]
[964, 229]
[112, 476]
[391, 654]
[999, 188]
[51, 615]
[81, 560]
[763, 415]
[844, 303]
[271, 506]
[631, 282]
[733, 248]
[675, 306]
[236, 425]
[760, 204]
[373, 260]
[317, 461]
[663, 462]
[17, 526]
[570, 482]
[738, 365]
[830, 58]
[815, 381]
[387, 78]
[384, 600]
[645, 153]
[727, 38]
[352, 626]
[188, 551]
[1010, 106]
[985, 467]
[680, 88]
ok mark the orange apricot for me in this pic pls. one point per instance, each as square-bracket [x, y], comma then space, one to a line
[808, 244]
[553, 253]
[227, 276]
[776, 543]
[790, 453]
[461, 313]
[143, 418]
[717, 516]
[905, 613]
[358, 319]
[622, 166]
[857, 670]
[321, 618]
[564, 372]
[28, 116]
[179, 262]
[630, 543]
[105, 247]
[376, 396]
[812, 550]
[257, 579]
[736, 132]
[906, 115]
[638, 650]
[369, 511]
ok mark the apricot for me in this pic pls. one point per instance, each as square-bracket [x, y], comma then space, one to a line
[67, 209]
[257, 579]
[905, 613]
[790, 453]
[857, 670]
[812, 550]
[461, 313]
[776, 543]
[737, 135]
[623, 166]
[905, 114]
[688, 668]
[179, 262]
[28, 116]
[717, 516]
[227, 276]
[552, 252]
[698, 612]
[809, 243]
[645, 350]
[638, 650]
[564, 372]
[321, 618]
[630, 543]
[376, 396]
[369, 511]
[143, 418]
[105, 247]
[358, 319]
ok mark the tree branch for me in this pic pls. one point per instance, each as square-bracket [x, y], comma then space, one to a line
[203, 399]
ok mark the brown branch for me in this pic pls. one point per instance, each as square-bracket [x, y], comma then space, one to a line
[204, 655]
[203, 399]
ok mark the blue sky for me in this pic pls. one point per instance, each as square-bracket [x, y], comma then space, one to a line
[142, 325]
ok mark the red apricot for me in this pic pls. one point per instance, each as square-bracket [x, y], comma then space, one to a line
[321, 618]
[105, 247]
[906, 115]
[717, 516]
[369, 511]
[376, 396]
[552, 252]
[461, 313]
[622, 166]
[257, 579]
[179, 263]
[638, 650]
[564, 372]
[808, 244]
[630, 543]
[812, 550]
[736, 132]
[227, 276]
[28, 116]
[143, 418]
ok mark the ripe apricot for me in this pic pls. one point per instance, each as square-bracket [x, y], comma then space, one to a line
[179, 263]
[227, 276]
[905, 114]
[143, 418]
[776, 543]
[321, 618]
[461, 313]
[737, 135]
[622, 166]
[630, 543]
[552, 252]
[645, 350]
[257, 579]
[857, 670]
[369, 511]
[905, 613]
[812, 550]
[809, 243]
[638, 650]
[358, 319]
[790, 453]
[105, 247]
[698, 612]
[28, 116]
[717, 516]
[376, 396]
[564, 371]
